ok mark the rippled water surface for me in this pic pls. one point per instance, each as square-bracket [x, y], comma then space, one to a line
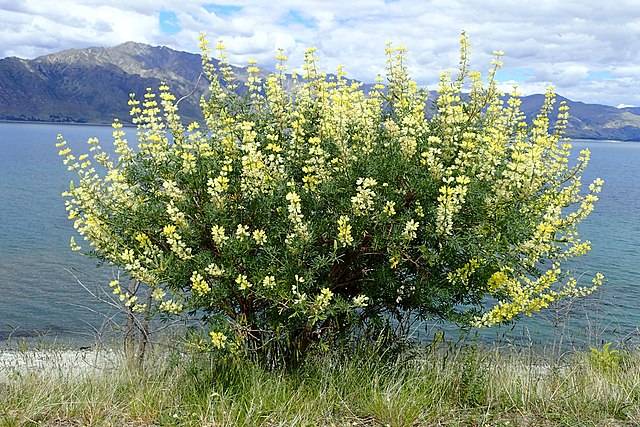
[40, 295]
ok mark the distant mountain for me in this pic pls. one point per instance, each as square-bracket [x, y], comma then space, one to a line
[92, 86]
[594, 121]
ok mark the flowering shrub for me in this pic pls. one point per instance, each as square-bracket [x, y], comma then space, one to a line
[304, 206]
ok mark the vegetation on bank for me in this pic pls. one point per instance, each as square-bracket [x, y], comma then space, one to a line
[304, 218]
[306, 210]
[435, 385]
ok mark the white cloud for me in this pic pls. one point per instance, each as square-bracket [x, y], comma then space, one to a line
[587, 49]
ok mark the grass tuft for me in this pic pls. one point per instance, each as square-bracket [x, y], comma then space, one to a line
[459, 385]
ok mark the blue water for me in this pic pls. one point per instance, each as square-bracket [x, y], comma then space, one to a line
[39, 294]
[613, 312]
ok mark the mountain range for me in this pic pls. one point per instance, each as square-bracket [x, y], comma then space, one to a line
[92, 85]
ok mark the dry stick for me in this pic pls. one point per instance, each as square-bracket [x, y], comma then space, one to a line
[195, 87]
[144, 338]
[129, 333]
[132, 323]
[107, 319]
[143, 326]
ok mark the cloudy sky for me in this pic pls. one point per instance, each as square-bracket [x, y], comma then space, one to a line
[589, 49]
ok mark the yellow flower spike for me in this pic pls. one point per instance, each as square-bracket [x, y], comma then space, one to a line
[363, 201]
[497, 281]
[323, 300]
[269, 282]
[158, 294]
[360, 301]
[171, 307]
[242, 282]
[390, 208]
[394, 261]
[344, 231]
[218, 340]
[242, 232]
[73, 245]
[410, 230]
[214, 270]
[199, 284]
[218, 235]
[259, 236]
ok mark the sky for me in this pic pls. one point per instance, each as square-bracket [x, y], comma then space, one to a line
[589, 50]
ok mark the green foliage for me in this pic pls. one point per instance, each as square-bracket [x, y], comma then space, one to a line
[605, 359]
[305, 209]
[473, 377]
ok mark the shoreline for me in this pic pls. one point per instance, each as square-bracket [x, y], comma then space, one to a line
[51, 362]
[45, 122]
[75, 363]
[131, 125]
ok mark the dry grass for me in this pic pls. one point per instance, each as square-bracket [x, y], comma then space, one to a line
[442, 387]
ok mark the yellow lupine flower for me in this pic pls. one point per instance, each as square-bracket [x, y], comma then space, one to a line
[243, 282]
[214, 270]
[242, 231]
[218, 235]
[73, 245]
[171, 307]
[323, 299]
[497, 281]
[158, 294]
[390, 208]
[259, 236]
[344, 231]
[361, 301]
[199, 285]
[394, 261]
[218, 339]
[410, 229]
[269, 282]
[169, 230]
[363, 201]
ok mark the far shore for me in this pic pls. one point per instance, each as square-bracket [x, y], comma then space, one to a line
[45, 122]
[131, 125]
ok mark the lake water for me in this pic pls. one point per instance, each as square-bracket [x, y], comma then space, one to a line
[39, 293]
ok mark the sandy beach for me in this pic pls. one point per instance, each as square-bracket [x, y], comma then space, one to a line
[59, 363]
